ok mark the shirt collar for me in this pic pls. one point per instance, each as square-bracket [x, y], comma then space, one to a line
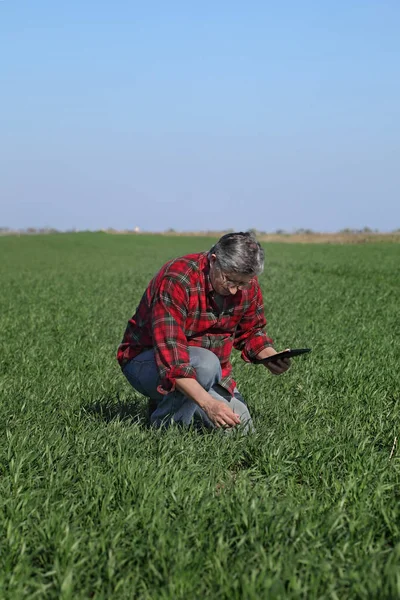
[205, 267]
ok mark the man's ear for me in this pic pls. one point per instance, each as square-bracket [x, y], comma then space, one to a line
[213, 258]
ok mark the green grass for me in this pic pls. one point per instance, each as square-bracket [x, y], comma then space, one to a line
[93, 504]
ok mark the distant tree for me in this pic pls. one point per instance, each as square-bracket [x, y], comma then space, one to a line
[303, 231]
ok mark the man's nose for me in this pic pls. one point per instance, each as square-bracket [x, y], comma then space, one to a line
[233, 289]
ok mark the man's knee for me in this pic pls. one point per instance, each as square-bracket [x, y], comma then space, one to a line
[207, 365]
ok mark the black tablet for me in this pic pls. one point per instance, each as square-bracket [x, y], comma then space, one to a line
[284, 354]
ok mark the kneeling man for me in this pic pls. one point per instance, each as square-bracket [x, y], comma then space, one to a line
[176, 348]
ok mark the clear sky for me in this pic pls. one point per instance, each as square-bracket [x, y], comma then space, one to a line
[200, 115]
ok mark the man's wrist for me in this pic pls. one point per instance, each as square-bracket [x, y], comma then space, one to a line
[204, 400]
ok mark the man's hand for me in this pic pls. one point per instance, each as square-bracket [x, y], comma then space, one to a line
[221, 414]
[277, 367]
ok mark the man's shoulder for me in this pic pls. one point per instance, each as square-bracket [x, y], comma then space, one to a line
[184, 267]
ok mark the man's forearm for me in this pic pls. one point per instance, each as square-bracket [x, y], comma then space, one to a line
[193, 390]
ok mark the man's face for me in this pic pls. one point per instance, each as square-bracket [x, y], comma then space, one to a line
[226, 284]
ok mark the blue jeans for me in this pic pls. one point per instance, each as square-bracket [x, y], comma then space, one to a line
[142, 374]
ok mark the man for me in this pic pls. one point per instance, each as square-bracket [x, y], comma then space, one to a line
[177, 346]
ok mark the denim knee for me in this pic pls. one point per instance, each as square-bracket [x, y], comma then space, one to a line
[207, 365]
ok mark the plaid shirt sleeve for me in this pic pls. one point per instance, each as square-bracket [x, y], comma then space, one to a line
[250, 336]
[169, 311]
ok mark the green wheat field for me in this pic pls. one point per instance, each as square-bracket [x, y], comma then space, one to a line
[95, 504]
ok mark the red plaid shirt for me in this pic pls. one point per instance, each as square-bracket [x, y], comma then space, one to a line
[178, 309]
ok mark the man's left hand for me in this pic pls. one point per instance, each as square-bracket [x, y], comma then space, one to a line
[276, 367]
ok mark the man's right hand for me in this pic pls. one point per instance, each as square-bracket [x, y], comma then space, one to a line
[221, 414]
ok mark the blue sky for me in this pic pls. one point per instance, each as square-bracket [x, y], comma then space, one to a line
[206, 115]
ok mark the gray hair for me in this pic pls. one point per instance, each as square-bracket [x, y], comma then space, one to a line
[239, 253]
